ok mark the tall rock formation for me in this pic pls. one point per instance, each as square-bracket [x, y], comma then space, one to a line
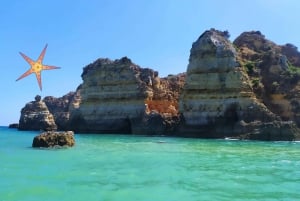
[274, 71]
[218, 99]
[59, 108]
[121, 97]
[112, 93]
[36, 116]
[249, 91]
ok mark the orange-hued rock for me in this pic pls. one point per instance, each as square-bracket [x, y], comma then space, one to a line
[114, 95]
[162, 106]
[248, 89]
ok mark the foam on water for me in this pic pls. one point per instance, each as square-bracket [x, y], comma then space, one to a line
[120, 167]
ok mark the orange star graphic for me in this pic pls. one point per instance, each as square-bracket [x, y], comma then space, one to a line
[36, 67]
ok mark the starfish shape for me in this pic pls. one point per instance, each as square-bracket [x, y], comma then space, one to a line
[37, 67]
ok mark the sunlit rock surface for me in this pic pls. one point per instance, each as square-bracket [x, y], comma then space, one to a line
[218, 93]
[36, 116]
[52, 139]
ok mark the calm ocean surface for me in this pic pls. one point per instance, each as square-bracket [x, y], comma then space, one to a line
[129, 168]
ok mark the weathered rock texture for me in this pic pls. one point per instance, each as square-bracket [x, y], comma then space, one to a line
[166, 92]
[276, 131]
[36, 116]
[274, 71]
[54, 139]
[248, 91]
[118, 97]
[218, 93]
[59, 107]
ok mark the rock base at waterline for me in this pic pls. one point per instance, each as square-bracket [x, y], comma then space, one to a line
[54, 139]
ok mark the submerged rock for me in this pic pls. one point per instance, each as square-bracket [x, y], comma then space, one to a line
[54, 139]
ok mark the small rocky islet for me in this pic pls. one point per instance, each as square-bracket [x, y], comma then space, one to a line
[248, 89]
[53, 139]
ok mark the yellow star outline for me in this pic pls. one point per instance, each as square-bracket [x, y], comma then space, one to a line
[37, 67]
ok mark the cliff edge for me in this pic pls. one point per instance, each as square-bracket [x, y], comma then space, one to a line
[121, 97]
[248, 89]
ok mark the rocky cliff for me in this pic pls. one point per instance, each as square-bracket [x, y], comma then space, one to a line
[36, 116]
[248, 89]
[59, 108]
[121, 97]
[218, 97]
[274, 71]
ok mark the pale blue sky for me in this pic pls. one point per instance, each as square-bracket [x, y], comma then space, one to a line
[152, 33]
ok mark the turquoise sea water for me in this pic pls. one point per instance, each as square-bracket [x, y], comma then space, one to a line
[127, 168]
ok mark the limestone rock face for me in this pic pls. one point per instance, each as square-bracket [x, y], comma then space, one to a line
[217, 93]
[155, 123]
[166, 92]
[274, 71]
[249, 90]
[114, 95]
[54, 139]
[59, 108]
[36, 116]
